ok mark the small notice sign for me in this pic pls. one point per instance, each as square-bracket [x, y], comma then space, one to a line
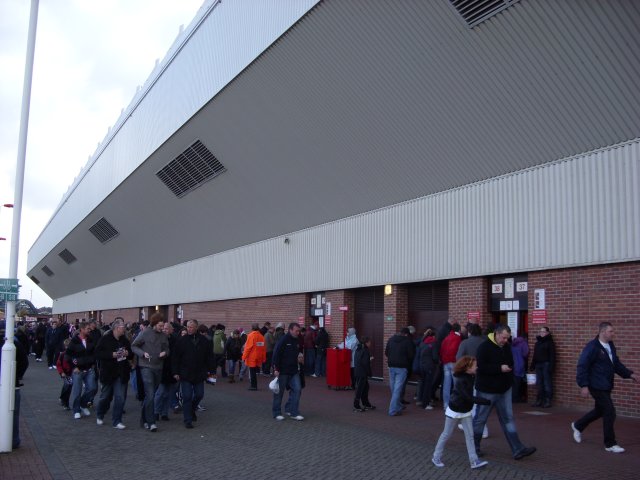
[539, 317]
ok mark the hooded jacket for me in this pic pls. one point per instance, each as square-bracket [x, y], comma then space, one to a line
[400, 351]
[462, 398]
[520, 350]
[362, 362]
[255, 351]
[490, 357]
[544, 351]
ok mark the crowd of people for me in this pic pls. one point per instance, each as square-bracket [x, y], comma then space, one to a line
[166, 364]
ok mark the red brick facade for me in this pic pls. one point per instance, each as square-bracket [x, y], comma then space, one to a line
[469, 295]
[577, 300]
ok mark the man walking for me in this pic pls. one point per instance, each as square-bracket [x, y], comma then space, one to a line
[113, 352]
[151, 347]
[192, 360]
[81, 355]
[286, 357]
[494, 380]
[399, 351]
[596, 368]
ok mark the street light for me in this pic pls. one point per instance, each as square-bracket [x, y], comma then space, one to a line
[6, 205]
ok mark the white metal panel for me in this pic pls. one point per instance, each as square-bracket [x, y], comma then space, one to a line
[223, 39]
[361, 105]
[578, 211]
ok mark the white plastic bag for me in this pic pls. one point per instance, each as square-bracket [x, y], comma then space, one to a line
[274, 386]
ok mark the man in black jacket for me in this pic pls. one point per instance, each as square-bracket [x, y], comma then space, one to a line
[286, 358]
[191, 363]
[113, 353]
[494, 381]
[81, 355]
[400, 351]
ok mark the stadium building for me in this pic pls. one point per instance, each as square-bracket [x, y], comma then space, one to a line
[409, 160]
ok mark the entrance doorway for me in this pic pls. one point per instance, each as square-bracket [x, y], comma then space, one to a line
[369, 322]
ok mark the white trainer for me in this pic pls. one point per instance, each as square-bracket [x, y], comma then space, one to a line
[120, 426]
[437, 462]
[77, 416]
[99, 421]
[615, 449]
[279, 418]
[85, 411]
[577, 436]
[297, 417]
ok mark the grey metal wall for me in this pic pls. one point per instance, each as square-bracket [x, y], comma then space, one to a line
[222, 40]
[577, 211]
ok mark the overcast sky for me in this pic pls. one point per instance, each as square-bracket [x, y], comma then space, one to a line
[90, 57]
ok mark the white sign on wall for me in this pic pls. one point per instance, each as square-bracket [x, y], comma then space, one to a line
[508, 287]
[512, 321]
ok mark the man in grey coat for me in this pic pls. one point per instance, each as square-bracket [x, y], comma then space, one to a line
[151, 347]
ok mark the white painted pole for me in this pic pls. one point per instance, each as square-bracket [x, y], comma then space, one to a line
[7, 380]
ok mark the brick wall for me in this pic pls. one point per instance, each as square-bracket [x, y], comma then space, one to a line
[130, 315]
[241, 313]
[577, 300]
[469, 295]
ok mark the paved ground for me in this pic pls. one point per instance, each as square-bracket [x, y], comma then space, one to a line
[237, 438]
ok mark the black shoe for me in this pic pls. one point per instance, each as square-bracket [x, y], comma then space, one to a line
[194, 417]
[404, 402]
[358, 409]
[188, 425]
[165, 418]
[525, 452]
[369, 407]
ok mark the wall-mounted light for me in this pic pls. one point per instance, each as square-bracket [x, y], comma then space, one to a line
[287, 241]
[388, 289]
[157, 308]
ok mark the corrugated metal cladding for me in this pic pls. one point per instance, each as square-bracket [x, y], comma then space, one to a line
[579, 211]
[220, 44]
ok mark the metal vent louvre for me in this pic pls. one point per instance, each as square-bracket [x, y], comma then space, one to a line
[48, 271]
[34, 280]
[193, 167]
[67, 256]
[103, 230]
[477, 11]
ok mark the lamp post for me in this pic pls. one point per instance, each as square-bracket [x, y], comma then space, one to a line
[7, 380]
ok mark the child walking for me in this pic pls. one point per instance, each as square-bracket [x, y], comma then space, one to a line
[459, 410]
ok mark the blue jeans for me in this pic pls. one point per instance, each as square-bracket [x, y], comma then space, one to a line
[162, 398]
[115, 391]
[447, 383]
[151, 380]
[543, 381]
[397, 376]
[192, 394]
[295, 389]
[231, 367]
[504, 407]
[309, 360]
[321, 362]
[78, 399]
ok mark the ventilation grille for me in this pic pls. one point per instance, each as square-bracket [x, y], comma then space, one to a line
[67, 256]
[34, 280]
[103, 230]
[193, 167]
[48, 271]
[477, 11]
